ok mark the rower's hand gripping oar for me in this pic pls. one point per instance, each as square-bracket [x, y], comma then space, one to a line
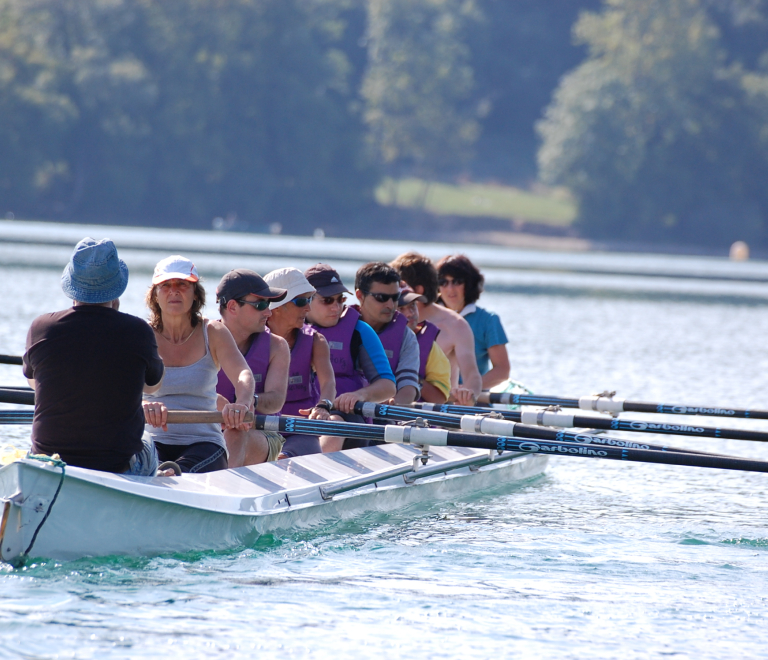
[562, 419]
[607, 403]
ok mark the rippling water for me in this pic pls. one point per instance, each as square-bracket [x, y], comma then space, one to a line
[595, 559]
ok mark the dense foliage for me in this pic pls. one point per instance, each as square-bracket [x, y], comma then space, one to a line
[291, 111]
[662, 133]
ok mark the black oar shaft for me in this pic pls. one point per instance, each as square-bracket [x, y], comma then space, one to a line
[13, 395]
[426, 436]
[487, 425]
[10, 359]
[613, 405]
[566, 420]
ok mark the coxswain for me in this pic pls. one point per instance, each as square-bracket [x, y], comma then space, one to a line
[244, 299]
[89, 365]
[311, 383]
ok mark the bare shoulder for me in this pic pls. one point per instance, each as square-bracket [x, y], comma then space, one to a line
[319, 339]
[452, 323]
[277, 345]
[217, 331]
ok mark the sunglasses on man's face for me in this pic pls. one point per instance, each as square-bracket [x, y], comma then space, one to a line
[383, 297]
[258, 305]
[444, 281]
[301, 302]
[330, 300]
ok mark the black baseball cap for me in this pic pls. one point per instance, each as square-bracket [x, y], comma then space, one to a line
[325, 280]
[408, 295]
[240, 282]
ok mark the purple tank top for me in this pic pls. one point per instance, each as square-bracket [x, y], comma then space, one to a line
[257, 358]
[392, 339]
[300, 391]
[426, 335]
[339, 337]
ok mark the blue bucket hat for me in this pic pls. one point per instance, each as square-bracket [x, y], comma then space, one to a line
[94, 274]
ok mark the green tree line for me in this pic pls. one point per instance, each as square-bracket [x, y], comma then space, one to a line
[652, 112]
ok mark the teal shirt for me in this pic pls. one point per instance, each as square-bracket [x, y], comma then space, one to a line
[488, 332]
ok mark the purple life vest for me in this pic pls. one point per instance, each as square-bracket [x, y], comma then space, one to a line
[392, 339]
[300, 391]
[426, 333]
[257, 358]
[348, 379]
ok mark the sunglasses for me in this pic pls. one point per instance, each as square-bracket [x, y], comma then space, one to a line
[259, 305]
[383, 297]
[444, 281]
[301, 302]
[330, 300]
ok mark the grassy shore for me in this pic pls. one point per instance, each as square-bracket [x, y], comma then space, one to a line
[473, 200]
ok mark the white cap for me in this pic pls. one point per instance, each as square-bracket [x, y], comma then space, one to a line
[290, 279]
[175, 267]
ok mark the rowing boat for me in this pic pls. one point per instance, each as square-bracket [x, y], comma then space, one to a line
[64, 512]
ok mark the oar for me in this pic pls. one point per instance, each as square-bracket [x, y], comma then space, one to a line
[568, 420]
[481, 424]
[10, 359]
[174, 417]
[17, 395]
[607, 403]
[416, 435]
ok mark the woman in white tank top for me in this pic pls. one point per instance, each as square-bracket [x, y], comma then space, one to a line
[193, 351]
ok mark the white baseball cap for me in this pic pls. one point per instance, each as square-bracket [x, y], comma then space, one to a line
[175, 267]
[290, 279]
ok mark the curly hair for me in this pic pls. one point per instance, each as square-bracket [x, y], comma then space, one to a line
[156, 315]
[458, 266]
[417, 270]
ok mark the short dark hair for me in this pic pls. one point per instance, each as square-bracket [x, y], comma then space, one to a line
[156, 315]
[458, 266]
[375, 271]
[418, 270]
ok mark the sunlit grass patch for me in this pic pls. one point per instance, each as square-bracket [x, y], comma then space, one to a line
[472, 199]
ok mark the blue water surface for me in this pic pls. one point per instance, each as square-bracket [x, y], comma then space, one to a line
[595, 559]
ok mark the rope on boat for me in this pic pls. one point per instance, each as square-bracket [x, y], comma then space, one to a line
[56, 461]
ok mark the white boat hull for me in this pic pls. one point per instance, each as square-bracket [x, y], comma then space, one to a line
[98, 513]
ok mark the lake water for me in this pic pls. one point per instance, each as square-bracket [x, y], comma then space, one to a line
[593, 560]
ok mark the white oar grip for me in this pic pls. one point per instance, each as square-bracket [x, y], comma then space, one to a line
[415, 435]
[478, 424]
[546, 418]
[601, 404]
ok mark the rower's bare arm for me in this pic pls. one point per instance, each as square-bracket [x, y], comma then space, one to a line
[272, 399]
[321, 363]
[432, 394]
[406, 395]
[225, 352]
[499, 372]
[378, 391]
[464, 350]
